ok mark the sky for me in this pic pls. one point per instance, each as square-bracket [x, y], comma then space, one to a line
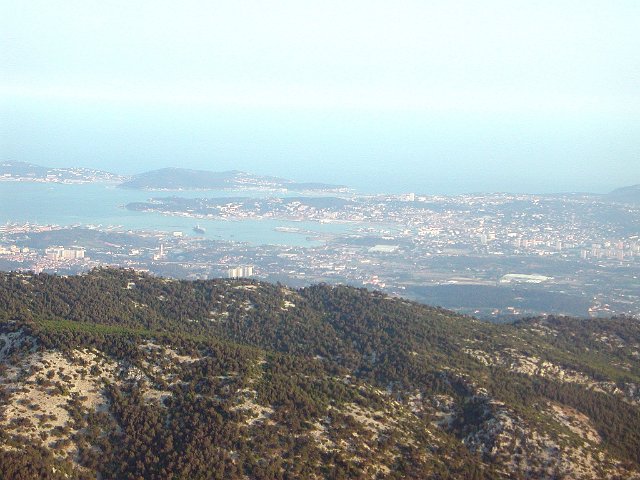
[427, 96]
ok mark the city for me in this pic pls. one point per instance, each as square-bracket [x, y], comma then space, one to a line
[320, 240]
[494, 256]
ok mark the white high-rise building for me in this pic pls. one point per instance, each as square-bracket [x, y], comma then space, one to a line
[240, 272]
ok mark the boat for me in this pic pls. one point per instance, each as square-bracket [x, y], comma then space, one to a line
[199, 229]
[287, 229]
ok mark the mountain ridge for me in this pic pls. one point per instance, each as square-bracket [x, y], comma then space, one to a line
[238, 378]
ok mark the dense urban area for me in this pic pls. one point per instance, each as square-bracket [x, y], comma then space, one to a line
[490, 255]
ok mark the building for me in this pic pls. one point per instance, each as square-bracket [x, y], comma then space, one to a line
[383, 248]
[523, 278]
[161, 253]
[240, 272]
[63, 253]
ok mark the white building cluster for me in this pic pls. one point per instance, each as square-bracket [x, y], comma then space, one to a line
[64, 253]
[240, 272]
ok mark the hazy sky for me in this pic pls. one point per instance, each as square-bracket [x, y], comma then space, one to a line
[429, 96]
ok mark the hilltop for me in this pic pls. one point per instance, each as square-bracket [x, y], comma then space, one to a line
[126, 375]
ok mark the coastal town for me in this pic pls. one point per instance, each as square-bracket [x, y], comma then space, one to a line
[490, 255]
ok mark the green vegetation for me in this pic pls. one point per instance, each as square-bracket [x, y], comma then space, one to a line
[233, 379]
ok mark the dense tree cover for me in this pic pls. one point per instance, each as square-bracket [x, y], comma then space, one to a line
[31, 462]
[306, 356]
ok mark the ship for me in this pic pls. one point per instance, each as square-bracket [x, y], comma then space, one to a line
[199, 229]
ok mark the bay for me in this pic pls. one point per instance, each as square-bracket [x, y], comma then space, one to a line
[101, 205]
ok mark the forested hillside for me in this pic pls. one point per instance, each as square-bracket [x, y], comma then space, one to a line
[121, 375]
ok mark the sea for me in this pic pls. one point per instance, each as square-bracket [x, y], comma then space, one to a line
[103, 206]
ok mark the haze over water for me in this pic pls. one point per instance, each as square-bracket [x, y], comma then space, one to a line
[431, 97]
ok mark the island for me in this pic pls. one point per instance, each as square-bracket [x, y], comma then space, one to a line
[29, 172]
[188, 179]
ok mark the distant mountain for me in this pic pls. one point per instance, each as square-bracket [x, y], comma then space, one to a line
[162, 179]
[626, 195]
[187, 179]
[117, 374]
[29, 172]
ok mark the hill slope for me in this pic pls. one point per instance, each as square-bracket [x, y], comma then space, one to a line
[625, 195]
[188, 179]
[23, 171]
[131, 376]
